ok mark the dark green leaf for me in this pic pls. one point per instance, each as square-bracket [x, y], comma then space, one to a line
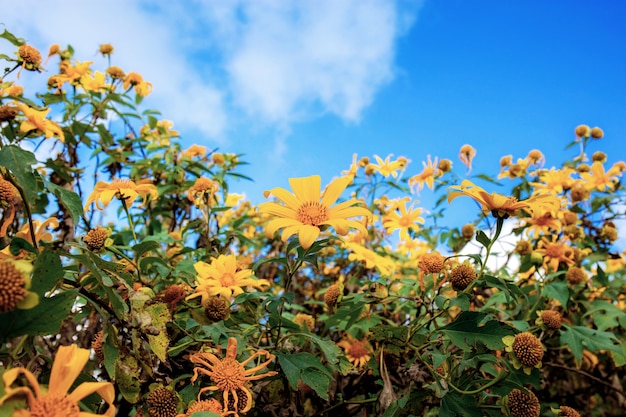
[19, 162]
[47, 273]
[468, 330]
[69, 199]
[483, 239]
[577, 337]
[557, 290]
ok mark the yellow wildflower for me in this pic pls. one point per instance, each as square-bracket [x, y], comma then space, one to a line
[124, 190]
[359, 352]
[142, 88]
[56, 401]
[36, 122]
[427, 176]
[403, 219]
[308, 210]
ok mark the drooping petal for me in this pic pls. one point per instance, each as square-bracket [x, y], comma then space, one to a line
[105, 389]
[68, 363]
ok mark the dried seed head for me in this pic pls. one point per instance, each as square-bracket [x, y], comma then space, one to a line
[431, 263]
[217, 309]
[566, 411]
[8, 194]
[582, 130]
[528, 349]
[445, 165]
[552, 319]
[30, 56]
[211, 405]
[462, 276]
[106, 49]
[523, 404]
[7, 113]
[598, 156]
[95, 238]
[162, 402]
[12, 289]
[115, 72]
[331, 295]
[523, 247]
[305, 320]
[597, 133]
[575, 275]
[467, 231]
[96, 345]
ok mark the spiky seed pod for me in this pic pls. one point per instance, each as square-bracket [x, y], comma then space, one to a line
[12, 289]
[522, 404]
[162, 402]
[467, 231]
[8, 193]
[582, 130]
[552, 319]
[331, 295]
[217, 309]
[431, 263]
[597, 133]
[528, 349]
[96, 345]
[211, 405]
[462, 276]
[568, 412]
[575, 275]
[95, 238]
[30, 56]
[7, 113]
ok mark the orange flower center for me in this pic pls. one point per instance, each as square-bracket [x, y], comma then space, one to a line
[54, 405]
[405, 221]
[312, 213]
[228, 375]
[554, 251]
[358, 350]
[228, 279]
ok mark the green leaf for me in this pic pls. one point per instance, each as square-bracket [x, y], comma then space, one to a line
[557, 290]
[307, 367]
[43, 319]
[454, 404]
[468, 330]
[11, 38]
[143, 247]
[160, 316]
[606, 315]
[69, 199]
[19, 162]
[48, 271]
[127, 372]
[577, 337]
[483, 239]
[328, 347]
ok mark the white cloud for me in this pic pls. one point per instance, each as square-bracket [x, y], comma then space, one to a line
[286, 60]
[144, 43]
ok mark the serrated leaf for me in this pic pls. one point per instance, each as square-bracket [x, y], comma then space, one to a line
[578, 337]
[69, 199]
[43, 319]
[606, 315]
[468, 330]
[557, 290]
[19, 162]
[295, 365]
[454, 404]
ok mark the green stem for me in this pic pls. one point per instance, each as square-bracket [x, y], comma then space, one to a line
[130, 219]
[479, 389]
[499, 223]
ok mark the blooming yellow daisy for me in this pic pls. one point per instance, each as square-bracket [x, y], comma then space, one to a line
[403, 218]
[222, 277]
[56, 401]
[36, 122]
[359, 352]
[125, 190]
[503, 206]
[308, 210]
[427, 176]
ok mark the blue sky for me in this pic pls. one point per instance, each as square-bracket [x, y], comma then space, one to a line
[299, 86]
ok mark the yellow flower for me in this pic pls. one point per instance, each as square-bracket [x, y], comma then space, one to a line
[388, 167]
[359, 352]
[222, 277]
[554, 253]
[142, 88]
[94, 82]
[202, 191]
[56, 401]
[371, 259]
[36, 121]
[308, 210]
[41, 234]
[427, 176]
[404, 220]
[502, 206]
[554, 181]
[600, 180]
[194, 150]
[124, 190]
[466, 155]
[73, 73]
[230, 376]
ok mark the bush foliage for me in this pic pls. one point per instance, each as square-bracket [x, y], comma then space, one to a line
[132, 279]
